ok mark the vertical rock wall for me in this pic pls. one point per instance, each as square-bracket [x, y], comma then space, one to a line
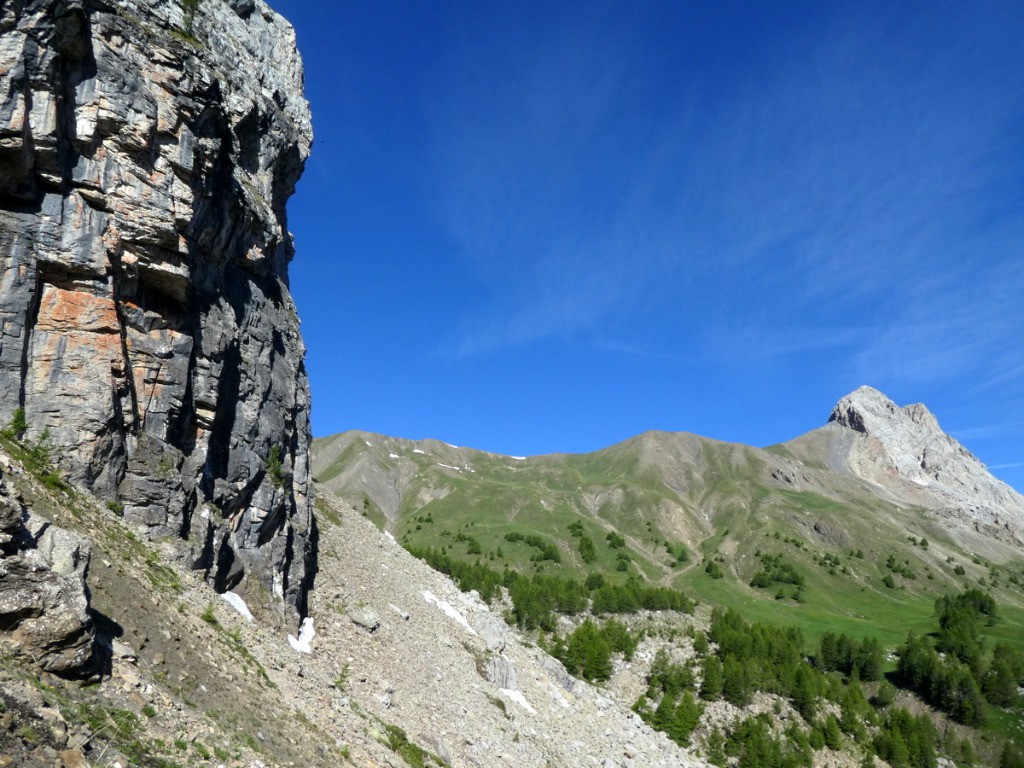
[146, 155]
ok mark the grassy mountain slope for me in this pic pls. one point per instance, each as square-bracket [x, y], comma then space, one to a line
[693, 513]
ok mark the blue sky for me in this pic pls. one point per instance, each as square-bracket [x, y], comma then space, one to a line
[540, 227]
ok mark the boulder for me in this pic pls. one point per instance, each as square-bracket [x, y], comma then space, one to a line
[499, 671]
[365, 617]
[44, 616]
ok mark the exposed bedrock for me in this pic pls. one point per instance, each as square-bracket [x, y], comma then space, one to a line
[145, 319]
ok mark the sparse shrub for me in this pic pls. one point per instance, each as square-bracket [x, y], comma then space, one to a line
[615, 541]
[587, 552]
[399, 743]
[885, 695]
[275, 467]
[190, 7]
[342, 680]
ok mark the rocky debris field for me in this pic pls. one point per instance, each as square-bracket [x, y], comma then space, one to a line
[400, 668]
[396, 642]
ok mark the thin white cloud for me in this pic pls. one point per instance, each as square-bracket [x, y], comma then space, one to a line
[746, 345]
[846, 185]
[989, 431]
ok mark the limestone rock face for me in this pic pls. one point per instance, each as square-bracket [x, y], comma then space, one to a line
[894, 446]
[146, 156]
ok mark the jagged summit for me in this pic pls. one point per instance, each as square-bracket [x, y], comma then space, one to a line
[866, 410]
[904, 450]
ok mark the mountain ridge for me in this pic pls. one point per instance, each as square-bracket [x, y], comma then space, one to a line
[867, 436]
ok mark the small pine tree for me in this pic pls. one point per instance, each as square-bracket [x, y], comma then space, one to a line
[735, 683]
[685, 719]
[18, 425]
[833, 736]
[711, 683]
[716, 747]
[805, 692]
[664, 713]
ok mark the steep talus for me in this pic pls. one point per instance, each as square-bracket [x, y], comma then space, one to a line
[147, 149]
[402, 667]
[414, 650]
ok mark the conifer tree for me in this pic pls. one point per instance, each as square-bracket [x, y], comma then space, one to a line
[711, 683]
[685, 719]
[735, 686]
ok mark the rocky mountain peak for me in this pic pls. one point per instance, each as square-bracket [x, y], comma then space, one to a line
[869, 411]
[905, 449]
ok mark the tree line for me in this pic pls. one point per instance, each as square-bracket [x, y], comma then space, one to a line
[538, 598]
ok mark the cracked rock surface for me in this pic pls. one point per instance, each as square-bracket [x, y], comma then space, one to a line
[43, 597]
[146, 326]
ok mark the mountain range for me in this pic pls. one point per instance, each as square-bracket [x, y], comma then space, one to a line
[845, 502]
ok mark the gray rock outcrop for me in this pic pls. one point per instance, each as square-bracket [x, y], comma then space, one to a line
[43, 599]
[146, 155]
[499, 671]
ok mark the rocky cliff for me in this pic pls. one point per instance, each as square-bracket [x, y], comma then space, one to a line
[147, 149]
[905, 451]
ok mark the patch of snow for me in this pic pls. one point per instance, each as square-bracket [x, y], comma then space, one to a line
[236, 602]
[448, 466]
[367, 443]
[388, 534]
[304, 643]
[451, 446]
[518, 458]
[449, 609]
[518, 698]
[392, 455]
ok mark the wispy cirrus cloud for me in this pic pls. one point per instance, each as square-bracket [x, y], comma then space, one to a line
[842, 195]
